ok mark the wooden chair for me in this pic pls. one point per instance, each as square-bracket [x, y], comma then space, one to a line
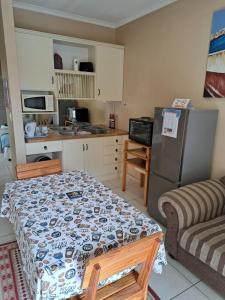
[139, 159]
[36, 169]
[134, 285]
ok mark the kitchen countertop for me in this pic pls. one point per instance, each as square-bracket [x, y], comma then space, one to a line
[55, 136]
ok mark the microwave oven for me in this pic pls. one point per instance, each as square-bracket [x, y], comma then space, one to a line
[140, 130]
[34, 103]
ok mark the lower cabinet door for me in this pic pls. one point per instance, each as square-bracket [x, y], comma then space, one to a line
[73, 155]
[93, 156]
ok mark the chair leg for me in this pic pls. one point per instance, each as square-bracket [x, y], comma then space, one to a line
[146, 190]
[141, 180]
[124, 180]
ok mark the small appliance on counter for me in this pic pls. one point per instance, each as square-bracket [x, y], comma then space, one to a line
[30, 129]
[33, 103]
[79, 114]
[68, 109]
[140, 130]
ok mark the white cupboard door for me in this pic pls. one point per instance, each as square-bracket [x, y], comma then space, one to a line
[109, 73]
[73, 155]
[35, 59]
[93, 157]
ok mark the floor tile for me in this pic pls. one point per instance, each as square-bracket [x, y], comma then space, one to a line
[5, 227]
[169, 284]
[191, 294]
[180, 268]
[208, 291]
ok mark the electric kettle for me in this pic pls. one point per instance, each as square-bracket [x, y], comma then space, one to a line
[30, 129]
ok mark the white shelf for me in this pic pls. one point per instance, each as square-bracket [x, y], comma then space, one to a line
[74, 98]
[61, 71]
[40, 113]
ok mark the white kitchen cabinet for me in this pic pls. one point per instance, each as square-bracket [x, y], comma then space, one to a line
[35, 59]
[84, 154]
[73, 155]
[93, 154]
[101, 156]
[109, 73]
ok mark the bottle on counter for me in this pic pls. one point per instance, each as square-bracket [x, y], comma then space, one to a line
[112, 121]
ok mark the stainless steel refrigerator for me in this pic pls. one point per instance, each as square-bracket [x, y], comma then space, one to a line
[182, 160]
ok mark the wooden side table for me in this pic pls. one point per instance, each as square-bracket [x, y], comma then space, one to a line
[139, 159]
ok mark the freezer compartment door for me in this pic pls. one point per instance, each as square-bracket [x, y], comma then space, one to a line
[157, 187]
[166, 159]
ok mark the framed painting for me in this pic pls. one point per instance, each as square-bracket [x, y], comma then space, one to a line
[215, 71]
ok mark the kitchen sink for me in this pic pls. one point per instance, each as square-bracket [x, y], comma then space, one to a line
[67, 132]
[81, 127]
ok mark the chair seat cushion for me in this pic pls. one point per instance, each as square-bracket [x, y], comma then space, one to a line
[206, 241]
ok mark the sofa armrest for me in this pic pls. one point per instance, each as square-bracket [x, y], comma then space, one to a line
[195, 203]
[171, 240]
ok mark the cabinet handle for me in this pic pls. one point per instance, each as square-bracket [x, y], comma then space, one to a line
[45, 147]
[52, 79]
[115, 168]
[86, 147]
[116, 159]
[83, 147]
[116, 150]
[99, 92]
[117, 141]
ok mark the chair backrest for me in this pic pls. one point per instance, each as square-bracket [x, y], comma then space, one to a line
[142, 252]
[36, 169]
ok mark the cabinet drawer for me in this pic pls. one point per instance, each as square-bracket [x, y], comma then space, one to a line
[112, 159]
[110, 169]
[36, 148]
[113, 140]
[111, 150]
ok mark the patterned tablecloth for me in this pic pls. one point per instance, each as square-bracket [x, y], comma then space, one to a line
[60, 221]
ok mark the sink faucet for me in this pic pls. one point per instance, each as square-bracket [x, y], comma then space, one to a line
[74, 124]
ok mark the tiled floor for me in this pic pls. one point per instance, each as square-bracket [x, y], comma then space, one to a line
[176, 282]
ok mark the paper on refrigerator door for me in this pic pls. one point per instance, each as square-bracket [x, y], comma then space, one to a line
[170, 122]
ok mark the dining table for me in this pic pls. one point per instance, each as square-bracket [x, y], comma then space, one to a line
[61, 221]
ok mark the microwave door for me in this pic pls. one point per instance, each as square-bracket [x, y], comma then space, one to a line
[35, 103]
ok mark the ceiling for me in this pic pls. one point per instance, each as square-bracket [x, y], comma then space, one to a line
[110, 13]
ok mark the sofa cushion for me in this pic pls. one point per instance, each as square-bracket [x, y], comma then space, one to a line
[206, 241]
[196, 202]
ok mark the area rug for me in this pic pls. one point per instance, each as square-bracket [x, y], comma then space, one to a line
[13, 285]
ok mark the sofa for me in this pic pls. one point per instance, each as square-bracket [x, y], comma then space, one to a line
[195, 235]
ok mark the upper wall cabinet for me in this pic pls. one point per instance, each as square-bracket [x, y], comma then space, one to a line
[109, 73]
[35, 59]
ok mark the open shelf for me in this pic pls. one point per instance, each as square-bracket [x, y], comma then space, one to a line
[137, 163]
[139, 152]
[40, 113]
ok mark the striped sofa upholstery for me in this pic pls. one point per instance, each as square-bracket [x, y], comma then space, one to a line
[195, 203]
[206, 241]
[195, 232]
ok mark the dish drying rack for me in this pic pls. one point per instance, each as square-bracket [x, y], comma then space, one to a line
[72, 85]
